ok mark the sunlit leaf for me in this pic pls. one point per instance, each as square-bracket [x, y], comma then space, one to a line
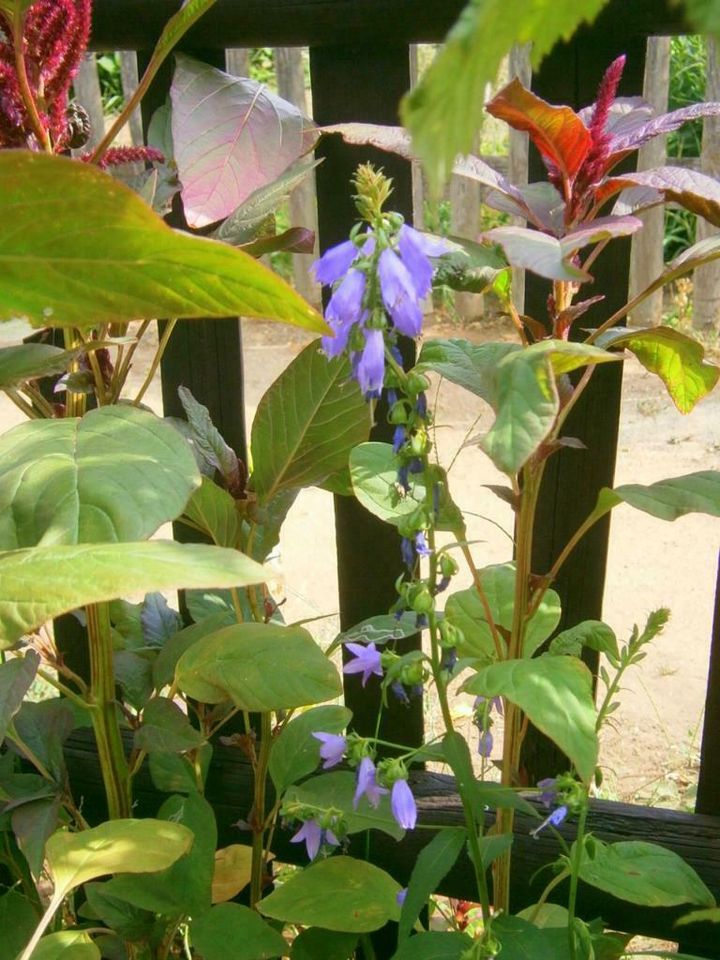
[444, 112]
[556, 694]
[233, 870]
[337, 894]
[67, 268]
[55, 580]
[431, 867]
[468, 364]
[67, 945]
[116, 474]
[667, 499]
[692, 189]
[231, 136]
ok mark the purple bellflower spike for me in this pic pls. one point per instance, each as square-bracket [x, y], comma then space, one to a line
[314, 836]
[370, 368]
[367, 784]
[332, 749]
[421, 547]
[554, 820]
[367, 661]
[414, 250]
[485, 743]
[400, 693]
[399, 294]
[400, 896]
[399, 438]
[402, 803]
[548, 787]
[408, 554]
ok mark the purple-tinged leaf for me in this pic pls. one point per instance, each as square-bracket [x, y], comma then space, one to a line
[16, 676]
[231, 137]
[626, 115]
[294, 240]
[678, 360]
[158, 620]
[604, 228]
[695, 191]
[32, 824]
[631, 135]
[536, 252]
[387, 138]
[635, 199]
[568, 316]
[540, 203]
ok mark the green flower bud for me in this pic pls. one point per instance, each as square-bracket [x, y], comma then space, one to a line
[448, 566]
[417, 383]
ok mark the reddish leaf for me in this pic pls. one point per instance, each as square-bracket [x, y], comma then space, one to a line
[540, 203]
[632, 134]
[691, 189]
[557, 132]
[231, 137]
[390, 139]
[603, 229]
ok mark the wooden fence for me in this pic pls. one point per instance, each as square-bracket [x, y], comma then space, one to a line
[360, 68]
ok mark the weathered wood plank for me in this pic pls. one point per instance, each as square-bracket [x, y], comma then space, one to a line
[229, 790]
[127, 24]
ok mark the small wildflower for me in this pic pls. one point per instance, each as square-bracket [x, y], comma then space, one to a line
[399, 294]
[485, 743]
[400, 693]
[332, 749]
[367, 660]
[335, 262]
[313, 835]
[367, 784]
[449, 659]
[548, 796]
[403, 806]
[400, 896]
[554, 820]
[369, 368]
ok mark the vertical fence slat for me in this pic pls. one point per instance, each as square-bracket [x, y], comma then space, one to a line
[708, 794]
[571, 74]
[86, 86]
[518, 152]
[129, 74]
[646, 261]
[706, 290]
[364, 84]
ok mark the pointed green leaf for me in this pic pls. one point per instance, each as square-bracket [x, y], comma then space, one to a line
[118, 846]
[66, 945]
[484, 793]
[444, 112]
[215, 512]
[68, 269]
[41, 583]
[645, 874]
[209, 442]
[232, 924]
[435, 945]
[708, 915]
[431, 867]
[373, 471]
[678, 360]
[28, 361]
[166, 729]
[175, 647]
[260, 667]
[593, 634]
[32, 824]
[307, 423]
[127, 921]
[178, 25]
[468, 364]
[522, 940]
[296, 753]
[117, 474]
[338, 894]
[667, 499]
[16, 676]
[465, 610]
[173, 773]
[556, 695]
[337, 790]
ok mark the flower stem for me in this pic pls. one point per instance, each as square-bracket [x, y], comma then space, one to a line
[111, 753]
[574, 878]
[166, 334]
[23, 82]
[258, 819]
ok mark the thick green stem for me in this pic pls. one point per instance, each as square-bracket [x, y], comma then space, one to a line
[26, 93]
[258, 819]
[113, 763]
[574, 878]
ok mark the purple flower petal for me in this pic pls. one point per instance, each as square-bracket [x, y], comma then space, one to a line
[367, 660]
[400, 896]
[555, 819]
[370, 369]
[335, 262]
[367, 784]
[485, 743]
[346, 304]
[332, 749]
[399, 294]
[310, 832]
[402, 803]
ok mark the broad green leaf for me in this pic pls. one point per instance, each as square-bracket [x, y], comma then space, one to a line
[231, 136]
[68, 269]
[66, 945]
[158, 621]
[175, 647]
[593, 634]
[209, 442]
[678, 360]
[260, 667]
[708, 915]
[117, 474]
[468, 364]
[666, 499]
[484, 793]
[41, 583]
[556, 695]
[465, 610]
[232, 872]
[494, 845]
[341, 894]
[32, 824]
[174, 773]
[306, 424]
[373, 471]
[444, 112]
[16, 676]
[549, 915]
[469, 267]
[526, 399]
[557, 131]
[379, 629]
[296, 753]
[166, 729]
[431, 867]
[18, 920]
[337, 790]
[435, 945]
[232, 927]
[129, 922]
[215, 512]
[314, 943]
[243, 224]
[133, 672]
[118, 846]
[185, 886]
[44, 726]
[645, 874]
[28, 361]
[524, 941]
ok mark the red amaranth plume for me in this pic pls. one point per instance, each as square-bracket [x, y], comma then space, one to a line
[116, 156]
[593, 167]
